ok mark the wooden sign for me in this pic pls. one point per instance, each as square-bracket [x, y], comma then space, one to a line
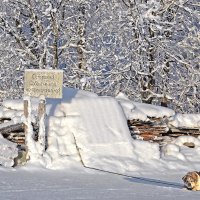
[46, 83]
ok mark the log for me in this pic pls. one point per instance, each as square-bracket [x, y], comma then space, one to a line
[9, 128]
[185, 131]
[2, 119]
[156, 130]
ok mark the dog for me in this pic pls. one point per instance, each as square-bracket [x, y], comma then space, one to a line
[192, 180]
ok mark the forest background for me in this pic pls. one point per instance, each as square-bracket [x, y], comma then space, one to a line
[147, 49]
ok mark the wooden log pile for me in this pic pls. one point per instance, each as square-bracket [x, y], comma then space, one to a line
[157, 130]
[176, 132]
[154, 130]
[14, 132]
[148, 131]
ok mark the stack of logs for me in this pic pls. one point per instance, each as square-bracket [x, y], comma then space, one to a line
[148, 131]
[15, 132]
[11, 131]
[157, 130]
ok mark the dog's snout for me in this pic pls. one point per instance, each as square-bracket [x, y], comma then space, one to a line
[189, 185]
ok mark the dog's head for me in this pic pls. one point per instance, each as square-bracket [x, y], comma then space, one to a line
[191, 179]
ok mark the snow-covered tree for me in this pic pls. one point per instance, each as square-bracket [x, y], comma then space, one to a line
[163, 56]
[147, 49]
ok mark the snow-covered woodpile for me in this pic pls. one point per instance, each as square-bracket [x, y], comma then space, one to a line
[158, 124]
[158, 130]
[8, 142]
[148, 131]
[146, 122]
[176, 132]
[153, 130]
[13, 132]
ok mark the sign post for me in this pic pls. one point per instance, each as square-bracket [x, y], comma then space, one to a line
[42, 84]
[26, 115]
[41, 117]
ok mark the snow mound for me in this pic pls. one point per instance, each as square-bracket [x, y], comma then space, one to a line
[172, 151]
[11, 114]
[8, 151]
[145, 150]
[154, 111]
[102, 135]
[142, 111]
[187, 139]
[62, 148]
[84, 129]
[185, 120]
[177, 150]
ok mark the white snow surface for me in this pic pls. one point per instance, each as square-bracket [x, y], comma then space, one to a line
[90, 147]
[8, 151]
[30, 183]
[142, 111]
[185, 121]
[101, 134]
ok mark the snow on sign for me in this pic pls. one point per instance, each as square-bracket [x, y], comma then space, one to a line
[43, 82]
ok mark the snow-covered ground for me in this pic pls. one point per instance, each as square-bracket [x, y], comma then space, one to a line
[43, 184]
[91, 154]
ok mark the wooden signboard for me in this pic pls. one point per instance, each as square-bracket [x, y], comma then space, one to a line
[46, 83]
[42, 84]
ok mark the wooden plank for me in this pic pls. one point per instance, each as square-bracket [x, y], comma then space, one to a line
[176, 130]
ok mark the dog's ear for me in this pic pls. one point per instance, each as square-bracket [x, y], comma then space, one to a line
[184, 178]
[195, 176]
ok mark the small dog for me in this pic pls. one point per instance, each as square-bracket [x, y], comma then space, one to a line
[192, 180]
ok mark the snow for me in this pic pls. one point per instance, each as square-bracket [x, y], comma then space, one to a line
[12, 114]
[62, 151]
[185, 120]
[91, 155]
[183, 139]
[13, 104]
[90, 185]
[8, 151]
[101, 135]
[142, 111]
[154, 111]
